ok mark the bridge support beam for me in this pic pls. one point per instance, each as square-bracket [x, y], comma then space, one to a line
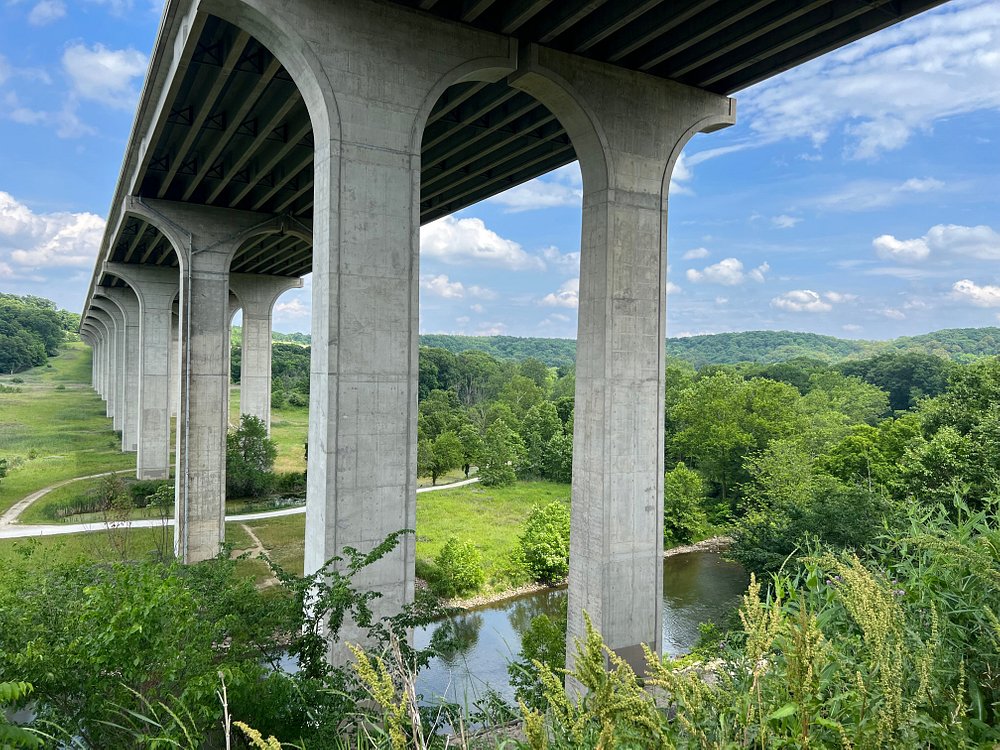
[205, 240]
[155, 290]
[628, 130]
[257, 295]
[109, 363]
[127, 302]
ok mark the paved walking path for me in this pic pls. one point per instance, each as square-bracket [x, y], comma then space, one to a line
[10, 531]
[14, 511]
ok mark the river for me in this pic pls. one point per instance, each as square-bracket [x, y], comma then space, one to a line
[697, 587]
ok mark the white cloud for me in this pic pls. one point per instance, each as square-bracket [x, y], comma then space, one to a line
[562, 262]
[867, 195]
[36, 240]
[722, 300]
[801, 300]
[888, 247]
[104, 75]
[838, 297]
[851, 327]
[6, 272]
[672, 288]
[46, 11]
[440, 286]
[784, 221]
[728, 272]
[892, 313]
[481, 292]
[881, 89]
[979, 242]
[469, 241]
[567, 296]
[560, 317]
[682, 174]
[291, 309]
[695, 254]
[561, 187]
[491, 329]
[980, 296]
[477, 308]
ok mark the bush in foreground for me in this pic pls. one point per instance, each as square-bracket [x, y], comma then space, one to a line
[458, 569]
[544, 545]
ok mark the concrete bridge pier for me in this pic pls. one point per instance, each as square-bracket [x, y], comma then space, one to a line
[155, 290]
[257, 295]
[117, 377]
[628, 130]
[128, 304]
[108, 360]
[205, 240]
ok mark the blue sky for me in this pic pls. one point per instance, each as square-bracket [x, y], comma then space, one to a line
[858, 196]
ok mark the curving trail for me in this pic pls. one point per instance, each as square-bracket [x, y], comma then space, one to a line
[15, 511]
[8, 529]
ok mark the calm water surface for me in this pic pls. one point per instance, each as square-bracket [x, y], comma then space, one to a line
[697, 587]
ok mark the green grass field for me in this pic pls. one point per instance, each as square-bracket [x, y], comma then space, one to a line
[55, 428]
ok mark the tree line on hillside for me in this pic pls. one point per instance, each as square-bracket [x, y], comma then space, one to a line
[31, 331]
[765, 347]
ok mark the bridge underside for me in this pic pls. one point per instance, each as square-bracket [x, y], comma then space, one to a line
[317, 138]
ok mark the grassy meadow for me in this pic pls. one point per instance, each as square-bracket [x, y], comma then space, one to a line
[55, 428]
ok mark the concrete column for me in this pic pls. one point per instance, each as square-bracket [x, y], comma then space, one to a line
[205, 240]
[375, 71]
[155, 290]
[257, 295]
[128, 303]
[110, 361]
[628, 130]
[174, 388]
[118, 374]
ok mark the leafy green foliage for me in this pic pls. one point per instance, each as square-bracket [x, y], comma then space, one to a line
[458, 569]
[250, 455]
[501, 455]
[684, 516]
[545, 643]
[901, 649]
[544, 545]
[31, 330]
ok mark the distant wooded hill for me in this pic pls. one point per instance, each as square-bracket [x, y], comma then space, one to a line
[765, 347]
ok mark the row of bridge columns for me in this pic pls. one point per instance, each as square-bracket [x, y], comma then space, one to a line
[370, 74]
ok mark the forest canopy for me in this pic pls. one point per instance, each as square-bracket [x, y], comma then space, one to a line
[31, 330]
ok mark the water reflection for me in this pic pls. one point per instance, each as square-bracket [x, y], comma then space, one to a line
[697, 587]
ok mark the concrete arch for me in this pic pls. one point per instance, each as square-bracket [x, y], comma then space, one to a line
[573, 112]
[707, 124]
[284, 224]
[296, 55]
[489, 69]
[179, 238]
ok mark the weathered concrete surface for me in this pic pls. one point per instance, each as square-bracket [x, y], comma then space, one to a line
[370, 74]
[155, 289]
[257, 294]
[109, 358]
[628, 130]
[205, 240]
[128, 303]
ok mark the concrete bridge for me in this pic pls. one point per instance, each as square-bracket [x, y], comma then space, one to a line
[278, 139]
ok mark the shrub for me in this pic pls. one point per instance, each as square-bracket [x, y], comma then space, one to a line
[297, 399]
[459, 569]
[544, 642]
[684, 516]
[544, 545]
[250, 455]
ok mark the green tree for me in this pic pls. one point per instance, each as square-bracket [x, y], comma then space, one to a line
[558, 464]
[458, 568]
[439, 456]
[684, 517]
[536, 371]
[544, 544]
[540, 424]
[250, 455]
[472, 446]
[502, 454]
